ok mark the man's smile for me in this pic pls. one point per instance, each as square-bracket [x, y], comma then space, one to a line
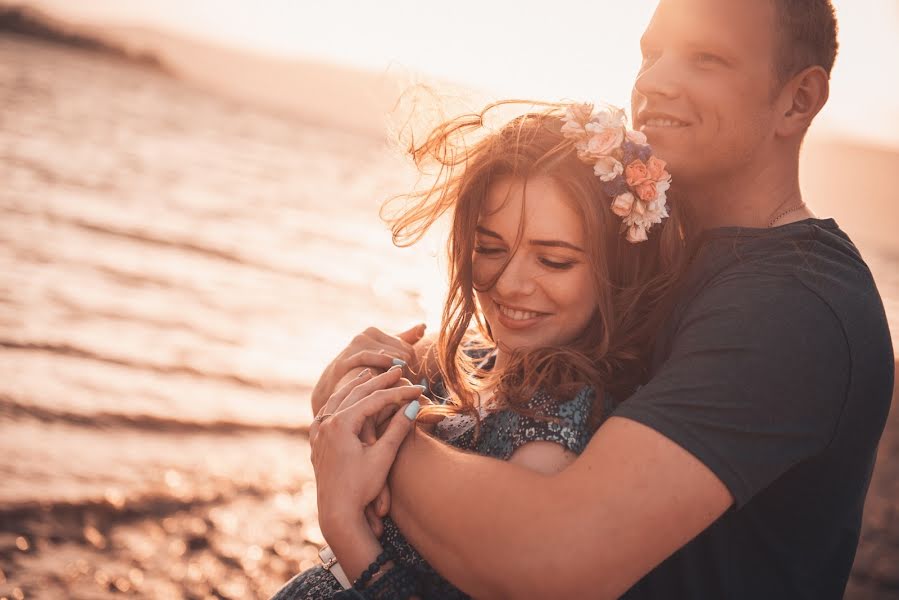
[658, 120]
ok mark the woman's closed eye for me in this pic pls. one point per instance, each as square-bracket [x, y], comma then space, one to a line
[488, 250]
[560, 265]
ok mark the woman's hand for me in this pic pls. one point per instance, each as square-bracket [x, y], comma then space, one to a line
[370, 349]
[349, 473]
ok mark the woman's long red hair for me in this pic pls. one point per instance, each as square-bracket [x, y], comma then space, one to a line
[631, 280]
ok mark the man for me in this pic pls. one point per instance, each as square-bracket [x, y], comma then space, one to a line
[740, 469]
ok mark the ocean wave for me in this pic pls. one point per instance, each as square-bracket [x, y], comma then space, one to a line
[12, 409]
[114, 508]
[180, 245]
[76, 352]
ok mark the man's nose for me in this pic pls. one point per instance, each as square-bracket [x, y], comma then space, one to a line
[660, 78]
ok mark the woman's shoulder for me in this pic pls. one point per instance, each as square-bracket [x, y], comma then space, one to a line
[543, 418]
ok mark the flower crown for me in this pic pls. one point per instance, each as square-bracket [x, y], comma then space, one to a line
[634, 178]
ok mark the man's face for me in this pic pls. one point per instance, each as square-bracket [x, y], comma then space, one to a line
[704, 93]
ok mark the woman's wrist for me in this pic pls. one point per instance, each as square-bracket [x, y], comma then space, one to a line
[341, 522]
[354, 544]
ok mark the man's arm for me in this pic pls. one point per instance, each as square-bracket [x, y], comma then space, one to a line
[741, 399]
[629, 501]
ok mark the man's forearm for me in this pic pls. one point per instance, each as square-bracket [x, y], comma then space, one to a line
[438, 493]
[499, 530]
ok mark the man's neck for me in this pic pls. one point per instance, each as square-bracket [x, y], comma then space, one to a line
[761, 195]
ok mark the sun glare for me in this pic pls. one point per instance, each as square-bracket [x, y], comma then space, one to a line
[586, 50]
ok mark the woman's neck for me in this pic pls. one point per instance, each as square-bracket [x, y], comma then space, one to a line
[501, 360]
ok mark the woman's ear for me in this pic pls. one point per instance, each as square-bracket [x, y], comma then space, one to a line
[802, 98]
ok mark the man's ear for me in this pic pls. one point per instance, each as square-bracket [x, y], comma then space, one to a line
[801, 100]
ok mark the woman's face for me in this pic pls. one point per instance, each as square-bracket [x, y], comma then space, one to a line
[545, 295]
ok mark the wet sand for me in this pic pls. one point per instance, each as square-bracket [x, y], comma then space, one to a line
[244, 546]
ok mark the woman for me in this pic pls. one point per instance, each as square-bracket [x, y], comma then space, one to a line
[556, 294]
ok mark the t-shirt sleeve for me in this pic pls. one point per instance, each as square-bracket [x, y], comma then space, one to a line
[755, 381]
[565, 423]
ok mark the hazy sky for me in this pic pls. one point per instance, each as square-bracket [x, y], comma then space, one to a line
[577, 49]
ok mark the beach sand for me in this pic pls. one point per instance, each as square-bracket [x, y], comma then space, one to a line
[875, 574]
[249, 545]
[245, 547]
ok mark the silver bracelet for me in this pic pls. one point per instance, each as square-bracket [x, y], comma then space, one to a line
[329, 563]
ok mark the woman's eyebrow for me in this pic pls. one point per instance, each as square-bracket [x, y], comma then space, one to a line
[555, 244]
[488, 232]
[547, 243]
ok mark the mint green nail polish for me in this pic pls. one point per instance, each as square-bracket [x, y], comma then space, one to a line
[424, 383]
[399, 362]
[421, 387]
[412, 410]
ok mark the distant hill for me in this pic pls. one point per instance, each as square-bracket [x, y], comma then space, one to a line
[328, 94]
[851, 181]
[32, 23]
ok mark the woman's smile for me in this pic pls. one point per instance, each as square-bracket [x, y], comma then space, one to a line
[518, 318]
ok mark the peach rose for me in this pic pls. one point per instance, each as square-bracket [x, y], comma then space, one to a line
[622, 204]
[602, 142]
[646, 191]
[636, 173]
[656, 169]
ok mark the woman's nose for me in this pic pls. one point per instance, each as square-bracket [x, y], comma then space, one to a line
[517, 279]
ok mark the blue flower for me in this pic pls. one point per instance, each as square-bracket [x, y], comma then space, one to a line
[644, 153]
[616, 187]
[630, 151]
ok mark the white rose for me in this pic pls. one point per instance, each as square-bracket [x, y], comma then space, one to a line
[640, 208]
[662, 187]
[622, 204]
[608, 168]
[573, 129]
[610, 116]
[636, 137]
[602, 141]
[636, 234]
[575, 118]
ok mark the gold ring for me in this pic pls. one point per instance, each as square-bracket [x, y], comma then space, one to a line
[321, 418]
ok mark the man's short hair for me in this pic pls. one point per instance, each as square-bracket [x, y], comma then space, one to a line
[807, 36]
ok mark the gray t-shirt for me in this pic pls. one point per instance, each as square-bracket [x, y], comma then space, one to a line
[776, 371]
